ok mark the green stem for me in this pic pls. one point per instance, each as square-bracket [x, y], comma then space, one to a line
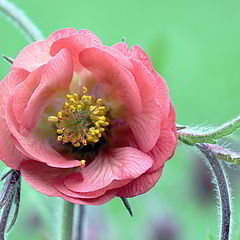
[190, 136]
[67, 223]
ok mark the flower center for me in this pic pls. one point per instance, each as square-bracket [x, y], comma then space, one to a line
[82, 120]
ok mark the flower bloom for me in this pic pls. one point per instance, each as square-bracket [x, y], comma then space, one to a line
[86, 122]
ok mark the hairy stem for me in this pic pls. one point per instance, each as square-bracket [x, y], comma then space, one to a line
[67, 221]
[78, 227]
[21, 20]
[223, 190]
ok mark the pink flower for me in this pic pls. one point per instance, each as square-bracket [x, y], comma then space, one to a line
[86, 122]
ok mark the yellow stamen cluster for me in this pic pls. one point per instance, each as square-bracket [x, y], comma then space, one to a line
[82, 120]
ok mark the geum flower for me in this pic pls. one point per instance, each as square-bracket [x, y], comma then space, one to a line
[86, 122]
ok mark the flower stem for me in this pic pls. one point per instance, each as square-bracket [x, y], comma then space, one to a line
[191, 136]
[18, 17]
[78, 227]
[223, 190]
[67, 221]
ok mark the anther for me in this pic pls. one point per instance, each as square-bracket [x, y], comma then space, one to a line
[72, 100]
[66, 105]
[59, 138]
[79, 108]
[77, 144]
[99, 101]
[69, 96]
[85, 90]
[92, 108]
[60, 114]
[82, 163]
[60, 131]
[72, 108]
[53, 119]
[75, 96]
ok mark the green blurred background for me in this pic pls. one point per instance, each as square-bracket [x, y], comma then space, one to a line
[195, 45]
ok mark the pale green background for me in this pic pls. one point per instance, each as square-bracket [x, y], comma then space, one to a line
[195, 45]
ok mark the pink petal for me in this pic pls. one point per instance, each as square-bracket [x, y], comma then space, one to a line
[62, 33]
[12, 157]
[68, 32]
[166, 144]
[162, 95]
[9, 83]
[138, 53]
[123, 48]
[8, 151]
[75, 44]
[163, 150]
[146, 125]
[56, 77]
[144, 74]
[38, 53]
[91, 201]
[123, 60]
[140, 185]
[24, 91]
[60, 186]
[42, 177]
[90, 34]
[37, 148]
[33, 56]
[117, 164]
[171, 119]
[107, 70]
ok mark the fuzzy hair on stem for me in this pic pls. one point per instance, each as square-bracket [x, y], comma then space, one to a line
[223, 190]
